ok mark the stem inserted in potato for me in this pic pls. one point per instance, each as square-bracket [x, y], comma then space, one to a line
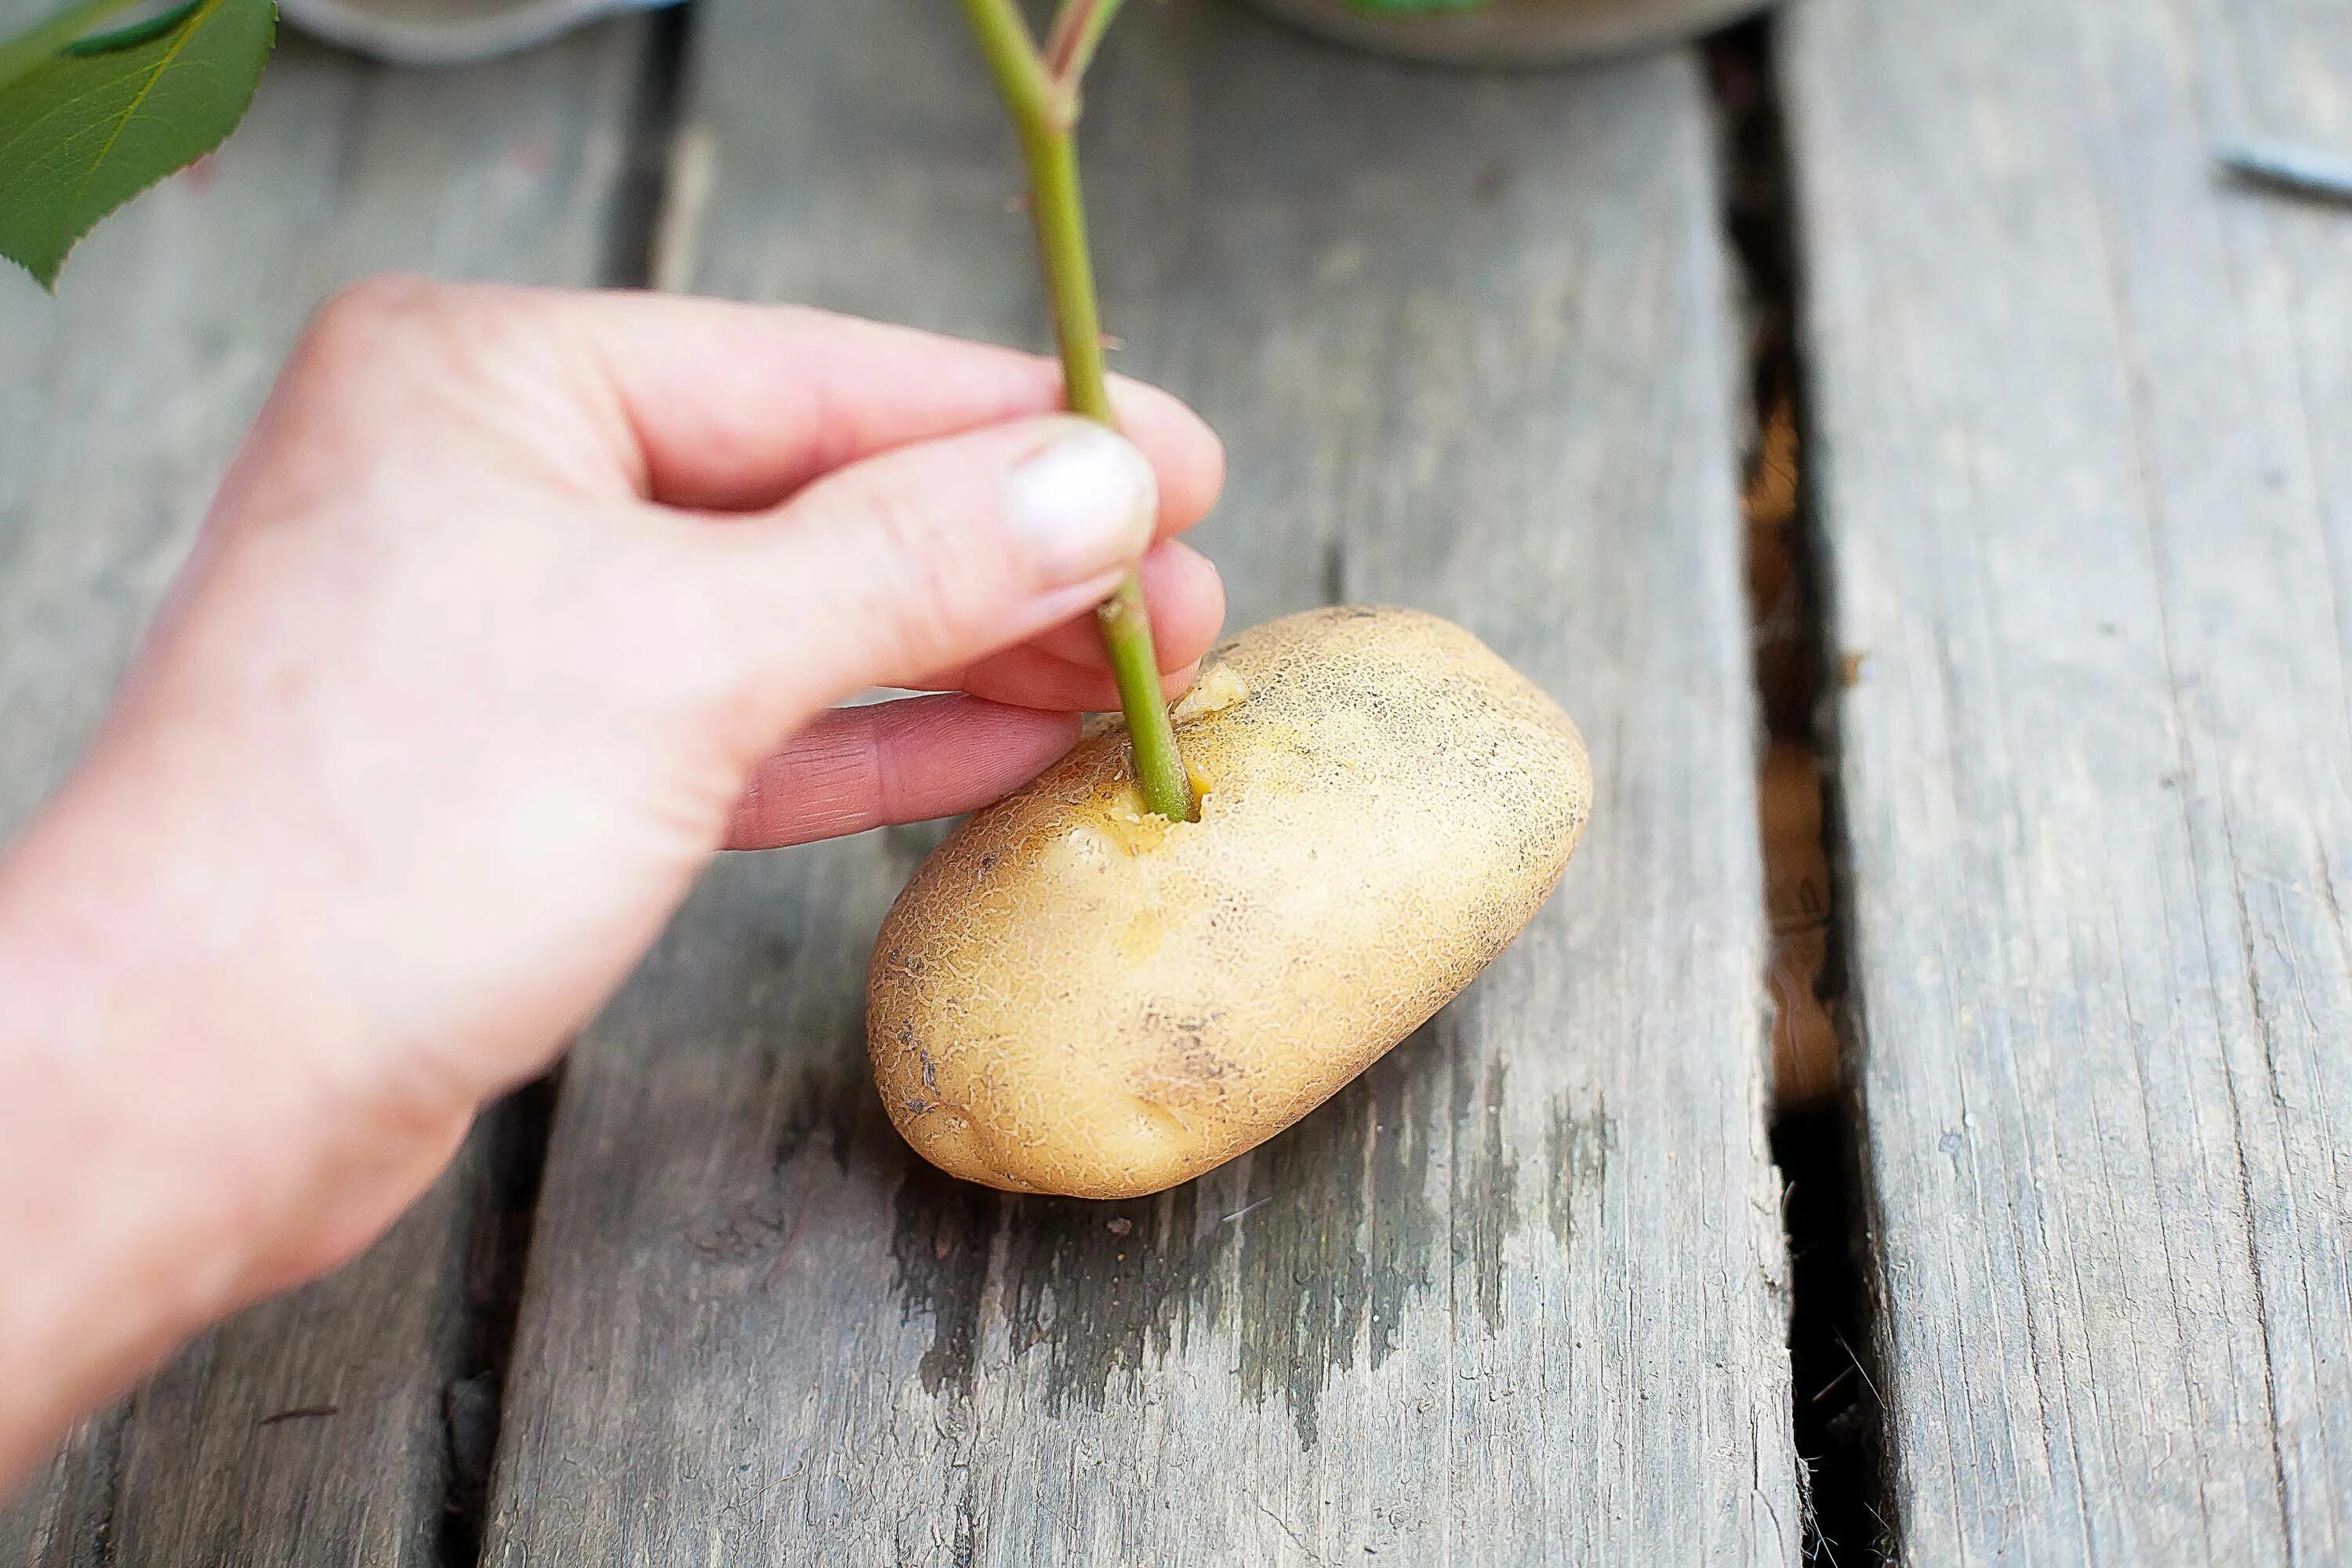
[1041, 89]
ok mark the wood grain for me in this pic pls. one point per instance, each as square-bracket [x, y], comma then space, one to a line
[1514, 1297]
[2083, 419]
[312, 1429]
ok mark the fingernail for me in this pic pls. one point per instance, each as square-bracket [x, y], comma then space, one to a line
[1083, 506]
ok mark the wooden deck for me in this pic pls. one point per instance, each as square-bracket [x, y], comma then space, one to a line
[2079, 448]
[2086, 418]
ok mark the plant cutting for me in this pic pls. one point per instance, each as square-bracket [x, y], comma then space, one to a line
[1040, 88]
[1100, 987]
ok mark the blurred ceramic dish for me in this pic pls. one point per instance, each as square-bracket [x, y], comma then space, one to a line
[1513, 32]
[445, 32]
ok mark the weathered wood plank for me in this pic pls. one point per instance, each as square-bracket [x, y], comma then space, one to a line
[2084, 428]
[1514, 1297]
[119, 404]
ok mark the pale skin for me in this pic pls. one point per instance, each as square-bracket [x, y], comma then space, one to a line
[515, 607]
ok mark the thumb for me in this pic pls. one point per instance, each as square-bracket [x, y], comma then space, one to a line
[934, 556]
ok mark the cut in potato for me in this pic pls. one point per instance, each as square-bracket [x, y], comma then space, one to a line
[1075, 995]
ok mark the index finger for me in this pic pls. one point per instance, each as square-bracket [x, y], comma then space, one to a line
[734, 407]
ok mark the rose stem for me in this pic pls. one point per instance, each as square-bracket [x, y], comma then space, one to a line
[1043, 102]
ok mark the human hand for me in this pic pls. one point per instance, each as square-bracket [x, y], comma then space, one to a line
[515, 607]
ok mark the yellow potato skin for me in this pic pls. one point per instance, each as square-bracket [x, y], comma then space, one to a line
[1073, 995]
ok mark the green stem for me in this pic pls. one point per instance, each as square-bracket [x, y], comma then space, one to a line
[1060, 213]
[1012, 56]
[1044, 108]
[49, 39]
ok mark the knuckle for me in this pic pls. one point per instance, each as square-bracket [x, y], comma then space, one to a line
[360, 321]
[376, 298]
[399, 323]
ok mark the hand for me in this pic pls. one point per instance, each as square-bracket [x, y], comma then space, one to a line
[515, 607]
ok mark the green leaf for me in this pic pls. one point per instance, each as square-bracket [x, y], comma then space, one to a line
[1417, 7]
[88, 129]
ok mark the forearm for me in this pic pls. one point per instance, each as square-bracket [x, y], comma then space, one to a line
[165, 1156]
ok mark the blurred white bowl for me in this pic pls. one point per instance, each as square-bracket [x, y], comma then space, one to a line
[1513, 32]
[445, 32]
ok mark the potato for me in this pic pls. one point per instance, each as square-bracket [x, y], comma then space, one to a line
[1073, 995]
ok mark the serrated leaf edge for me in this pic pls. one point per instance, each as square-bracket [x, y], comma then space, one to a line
[48, 281]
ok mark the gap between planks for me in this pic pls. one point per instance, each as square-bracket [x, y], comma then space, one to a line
[1835, 1413]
